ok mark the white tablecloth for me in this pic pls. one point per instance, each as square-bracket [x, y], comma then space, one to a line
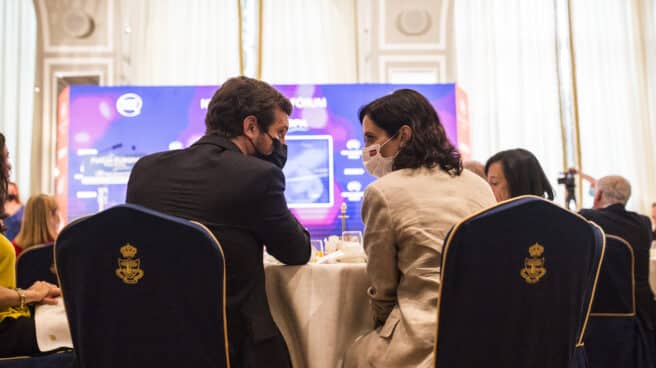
[51, 326]
[320, 309]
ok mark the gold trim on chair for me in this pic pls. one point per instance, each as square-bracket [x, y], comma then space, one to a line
[224, 278]
[34, 248]
[18, 357]
[594, 285]
[224, 311]
[633, 293]
[445, 250]
[54, 260]
[23, 357]
[455, 228]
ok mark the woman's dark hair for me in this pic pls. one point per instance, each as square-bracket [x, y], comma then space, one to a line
[4, 179]
[238, 98]
[523, 173]
[428, 146]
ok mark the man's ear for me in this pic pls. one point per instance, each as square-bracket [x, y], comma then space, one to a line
[597, 198]
[250, 126]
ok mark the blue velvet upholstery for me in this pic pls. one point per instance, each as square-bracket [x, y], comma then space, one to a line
[615, 337]
[35, 264]
[516, 286]
[143, 289]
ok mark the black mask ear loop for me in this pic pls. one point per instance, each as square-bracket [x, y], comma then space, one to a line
[278, 155]
[257, 152]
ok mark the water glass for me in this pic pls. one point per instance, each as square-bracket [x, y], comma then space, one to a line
[352, 237]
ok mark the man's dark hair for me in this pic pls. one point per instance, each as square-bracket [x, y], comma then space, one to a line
[238, 98]
[428, 146]
[523, 173]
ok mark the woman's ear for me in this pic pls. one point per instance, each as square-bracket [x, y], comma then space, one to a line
[405, 133]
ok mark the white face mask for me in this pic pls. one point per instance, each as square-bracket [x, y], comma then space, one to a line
[374, 162]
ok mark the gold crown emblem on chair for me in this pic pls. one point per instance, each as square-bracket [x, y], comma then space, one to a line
[129, 269]
[534, 268]
[536, 250]
[128, 251]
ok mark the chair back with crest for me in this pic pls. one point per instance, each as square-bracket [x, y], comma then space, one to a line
[615, 336]
[516, 287]
[143, 289]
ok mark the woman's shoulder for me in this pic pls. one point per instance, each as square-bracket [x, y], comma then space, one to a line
[473, 180]
[419, 182]
[434, 175]
[7, 249]
[407, 182]
[7, 255]
[5, 243]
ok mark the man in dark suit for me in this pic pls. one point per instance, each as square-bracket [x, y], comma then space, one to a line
[612, 193]
[232, 181]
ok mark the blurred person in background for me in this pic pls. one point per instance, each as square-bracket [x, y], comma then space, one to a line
[517, 172]
[591, 180]
[421, 192]
[609, 212]
[475, 167]
[40, 222]
[17, 331]
[13, 211]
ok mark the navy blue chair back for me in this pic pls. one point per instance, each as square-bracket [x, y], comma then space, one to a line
[615, 296]
[35, 264]
[516, 286]
[61, 359]
[143, 289]
[615, 336]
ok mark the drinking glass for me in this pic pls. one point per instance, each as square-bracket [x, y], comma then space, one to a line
[352, 237]
[317, 244]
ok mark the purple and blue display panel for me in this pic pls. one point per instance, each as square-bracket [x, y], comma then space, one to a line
[112, 127]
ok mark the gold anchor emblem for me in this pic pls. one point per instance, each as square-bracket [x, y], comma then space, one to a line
[129, 268]
[534, 268]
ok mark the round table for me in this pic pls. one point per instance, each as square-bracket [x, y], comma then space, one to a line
[320, 309]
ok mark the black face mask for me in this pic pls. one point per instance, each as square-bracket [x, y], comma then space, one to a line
[278, 156]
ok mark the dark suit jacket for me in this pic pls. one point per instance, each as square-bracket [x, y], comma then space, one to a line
[241, 199]
[636, 229]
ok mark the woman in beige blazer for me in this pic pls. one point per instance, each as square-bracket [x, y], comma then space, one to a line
[421, 193]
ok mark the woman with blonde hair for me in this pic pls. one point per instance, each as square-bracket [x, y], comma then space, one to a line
[40, 222]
